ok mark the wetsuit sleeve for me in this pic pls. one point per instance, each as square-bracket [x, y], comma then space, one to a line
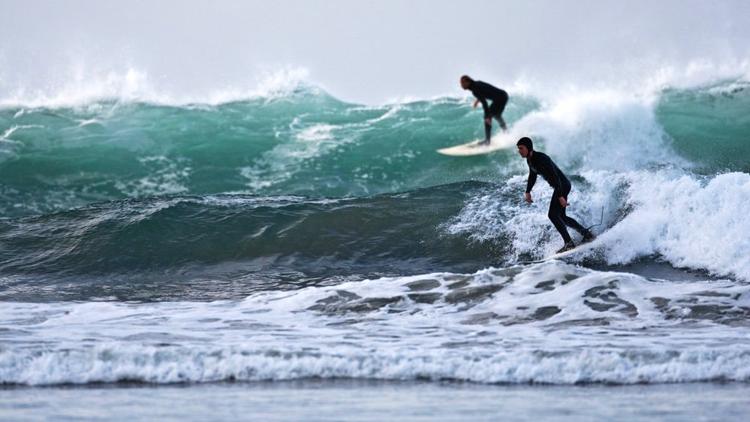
[532, 180]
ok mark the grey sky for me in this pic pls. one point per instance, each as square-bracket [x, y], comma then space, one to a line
[365, 50]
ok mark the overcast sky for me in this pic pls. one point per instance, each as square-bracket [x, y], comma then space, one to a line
[367, 51]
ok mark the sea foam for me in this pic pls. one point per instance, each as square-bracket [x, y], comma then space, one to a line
[547, 323]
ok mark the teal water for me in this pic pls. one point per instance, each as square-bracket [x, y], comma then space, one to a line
[305, 144]
[710, 126]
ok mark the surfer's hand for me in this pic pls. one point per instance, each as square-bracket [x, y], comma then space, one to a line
[527, 197]
[563, 202]
[476, 103]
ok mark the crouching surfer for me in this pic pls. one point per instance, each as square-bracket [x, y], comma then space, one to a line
[483, 92]
[540, 163]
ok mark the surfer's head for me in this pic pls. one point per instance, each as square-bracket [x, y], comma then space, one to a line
[525, 146]
[466, 81]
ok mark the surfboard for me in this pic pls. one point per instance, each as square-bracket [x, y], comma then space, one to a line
[561, 255]
[578, 249]
[501, 141]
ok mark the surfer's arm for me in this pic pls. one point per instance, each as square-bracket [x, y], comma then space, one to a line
[476, 103]
[530, 183]
[529, 186]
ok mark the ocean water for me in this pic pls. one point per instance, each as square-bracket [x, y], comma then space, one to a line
[293, 236]
[368, 400]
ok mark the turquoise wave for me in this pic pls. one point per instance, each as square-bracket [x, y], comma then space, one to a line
[305, 143]
[710, 126]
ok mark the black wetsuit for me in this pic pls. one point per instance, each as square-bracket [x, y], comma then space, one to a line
[540, 163]
[483, 92]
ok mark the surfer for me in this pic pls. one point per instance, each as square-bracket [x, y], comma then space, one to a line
[540, 163]
[484, 91]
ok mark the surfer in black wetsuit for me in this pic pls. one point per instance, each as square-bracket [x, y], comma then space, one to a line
[483, 92]
[540, 163]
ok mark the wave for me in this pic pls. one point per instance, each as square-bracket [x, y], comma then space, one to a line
[167, 247]
[228, 246]
[306, 142]
[710, 125]
[117, 363]
[547, 323]
[56, 162]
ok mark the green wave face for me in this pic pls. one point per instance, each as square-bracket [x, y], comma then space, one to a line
[306, 144]
[710, 126]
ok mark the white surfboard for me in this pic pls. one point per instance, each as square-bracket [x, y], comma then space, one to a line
[578, 249]
[561, 255]
[501, 141]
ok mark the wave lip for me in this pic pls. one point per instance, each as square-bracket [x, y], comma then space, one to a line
[133, 85]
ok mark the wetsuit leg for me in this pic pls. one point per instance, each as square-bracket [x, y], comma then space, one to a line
[494, 111]
[556, 214]
[500, 120]
[497, 108]
[572, 223]
[569, 221]
[560, 219]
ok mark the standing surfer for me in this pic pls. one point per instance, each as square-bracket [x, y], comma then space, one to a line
[484, 91]
[540, 163]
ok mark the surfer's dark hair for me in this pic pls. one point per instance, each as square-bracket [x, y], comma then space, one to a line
[526, 141]
[466, 78]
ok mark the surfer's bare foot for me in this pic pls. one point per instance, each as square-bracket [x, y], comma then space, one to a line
[568, 246]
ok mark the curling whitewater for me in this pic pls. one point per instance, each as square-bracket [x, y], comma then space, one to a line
[547, 323]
